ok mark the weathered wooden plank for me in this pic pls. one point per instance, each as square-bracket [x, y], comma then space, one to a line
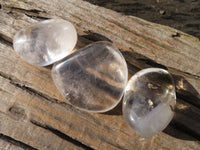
[32, 89]
[140, 34]
[35, 136]
[31, 79]
[22, 112]
[5, 145]
[17, 121]
[128, 33]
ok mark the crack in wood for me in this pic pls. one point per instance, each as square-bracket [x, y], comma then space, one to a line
[184, 129]
[176, 35]
[35, 92]
[36, 17]
[152, 63]
[6, 40]
[61, 135]
[16, 142]
[32, 13]
[186, 74]
[29, 90]
[188, 97]
[18, 9]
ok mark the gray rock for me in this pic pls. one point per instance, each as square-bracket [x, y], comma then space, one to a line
[45, 42]
[149, 101]
[92, 79]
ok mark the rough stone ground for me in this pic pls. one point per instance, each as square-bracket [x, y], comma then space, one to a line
[180, 14]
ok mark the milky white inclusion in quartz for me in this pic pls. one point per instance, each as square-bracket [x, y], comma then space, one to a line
[92, 79]
[45, 42]
[149, 101]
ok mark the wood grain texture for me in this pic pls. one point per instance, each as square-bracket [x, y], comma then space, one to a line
[32, 112]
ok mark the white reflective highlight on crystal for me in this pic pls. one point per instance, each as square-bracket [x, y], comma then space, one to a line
[45, 42]
[93, 78]
[149, 101]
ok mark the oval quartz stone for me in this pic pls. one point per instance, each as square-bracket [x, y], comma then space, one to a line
[149, 101]
[45, 42]
[92, 79]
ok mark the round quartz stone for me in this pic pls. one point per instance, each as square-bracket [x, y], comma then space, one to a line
[92, 79]
[149, 101]
[45, 42]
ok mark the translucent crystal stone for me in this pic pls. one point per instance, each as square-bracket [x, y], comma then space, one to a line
[45, 42]
[92, 79]
[149, 101]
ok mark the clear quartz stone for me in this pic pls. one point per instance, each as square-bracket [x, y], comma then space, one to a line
[45, 42]
[149, 101]
[92, 79]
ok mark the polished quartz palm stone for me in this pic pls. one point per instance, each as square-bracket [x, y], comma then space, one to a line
[45, 42]
[92, 79]
[149, 101]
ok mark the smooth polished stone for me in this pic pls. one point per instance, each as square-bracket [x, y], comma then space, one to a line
[149, 101]
[45, 42]
[92, 79]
